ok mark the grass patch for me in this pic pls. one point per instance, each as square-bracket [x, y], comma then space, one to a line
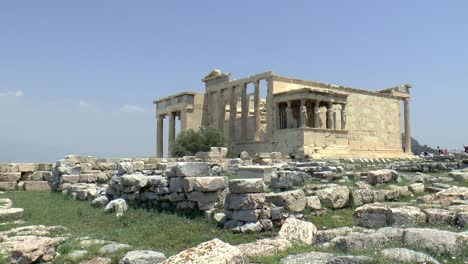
[333, 218]
[167, 232]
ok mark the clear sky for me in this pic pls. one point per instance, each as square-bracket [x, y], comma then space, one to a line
[80, 76]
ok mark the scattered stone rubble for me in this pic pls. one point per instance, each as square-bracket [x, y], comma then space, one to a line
[400, 206]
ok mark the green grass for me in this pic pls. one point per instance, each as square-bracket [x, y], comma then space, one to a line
[333, 218]
[167, 232]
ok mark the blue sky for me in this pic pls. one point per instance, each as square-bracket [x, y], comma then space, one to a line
[80, 77]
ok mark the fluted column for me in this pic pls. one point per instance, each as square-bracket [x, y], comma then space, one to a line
[221, 110]
[232, 113]
[330, 116]
[289, 116]
[407, 126]
[160, 137]
[343, 116]
[183, 120]
[245, 111]
[317, 112]
[257, 110]
[172, 122]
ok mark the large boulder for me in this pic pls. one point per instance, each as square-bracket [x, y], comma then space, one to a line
[247, 186]
[9, 214]
[293, 201]
[125, 168]
[142, 257]
[289, 179]
[214, 251]
[307, 258]
[334, 197]
[381, 176]
[299, 231]
[360, 241]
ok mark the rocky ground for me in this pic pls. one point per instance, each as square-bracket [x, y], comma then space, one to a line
[408, 211]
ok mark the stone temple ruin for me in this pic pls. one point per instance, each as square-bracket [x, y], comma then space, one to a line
[297, 117]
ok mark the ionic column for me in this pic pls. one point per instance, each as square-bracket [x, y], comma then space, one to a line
[289, 115]
[343, 116]
[317, 123]
[278, 118]
[160, 137]
[172, 122]
[257, 110]
[245, 111]
[303, 115]
[330, 116]
[407, 126]
[221, 110]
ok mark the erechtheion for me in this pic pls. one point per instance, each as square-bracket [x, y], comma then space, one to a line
[296, 117]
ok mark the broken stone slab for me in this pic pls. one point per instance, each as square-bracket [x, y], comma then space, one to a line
[10, 176]
[36, 185]
[5, 203]
[34, 250]
[264, 247]
[125, 168]
[247, 186]
[307, 258]
[437, 241]
[257, 172]
[138, 180]
[352, 260]
[142, 257]
[203, 197]
[98, 260]
[360, 241]
[10, 214]
[438, 216]
[192, 169]
[372, 215]
[210, 184]
[119, 206]
[462, 219]
[381, 176]
[214, 251]
[407, 216]
[288, 179]
[100, 201]
[405, 255]
[245, 201]
[244, 215]
[335, 197]
[416, 187]
[327, 235]
[298, 231]
[293, 201]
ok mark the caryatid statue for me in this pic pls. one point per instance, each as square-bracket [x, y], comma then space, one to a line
[304, 116]
[318, 118]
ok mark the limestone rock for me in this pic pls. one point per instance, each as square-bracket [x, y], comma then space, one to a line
[360, 241]
[142, 257]
[5, 203]
[406, 216]
[264, 247]
[381, 176]
[10, 176]
[299, 231]
[119, 206]
[33, 250]
[97, 260]
[11, 214]
[214, 252]
[371, 215]
[416, 187]
[8, 186]
[192, 169]
[407, 256]
[137, 180]
[352, 260]
[437, 216]
[234, 201]
[247, 186]
[36, 186]
[210, 184]
[307, 258]
[125, 168]
[438, 241]
[112, 248]
[293, 201]
[313, 202]
[100, 201]
[335, 197]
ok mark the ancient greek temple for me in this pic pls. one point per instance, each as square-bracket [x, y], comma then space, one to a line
[271, 113]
